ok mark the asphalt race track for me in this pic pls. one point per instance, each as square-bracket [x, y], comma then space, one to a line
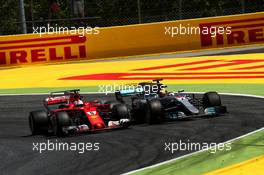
[120, 151]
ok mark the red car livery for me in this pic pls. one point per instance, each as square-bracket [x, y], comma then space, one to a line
[66, 113]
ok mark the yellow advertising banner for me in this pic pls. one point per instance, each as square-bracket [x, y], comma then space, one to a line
[172, 36]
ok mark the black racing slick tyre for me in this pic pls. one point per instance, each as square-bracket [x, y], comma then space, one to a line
[38, 122]
[211, 99]
[138, 110]
[153, 112]
[120, 111]
[60, 120]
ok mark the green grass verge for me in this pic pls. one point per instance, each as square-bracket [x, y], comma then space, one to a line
[254, 89]
[200, 163]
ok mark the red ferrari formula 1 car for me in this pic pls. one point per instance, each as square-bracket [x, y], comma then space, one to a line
[68, 114]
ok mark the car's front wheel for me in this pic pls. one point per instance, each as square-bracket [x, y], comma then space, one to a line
[211, 99]
[153, 112]
[120, 111]
[60, 121]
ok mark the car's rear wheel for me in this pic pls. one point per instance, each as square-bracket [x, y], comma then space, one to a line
[153, 112]
[38, 122]
[211, 99]
[120, 111]
[60, 120]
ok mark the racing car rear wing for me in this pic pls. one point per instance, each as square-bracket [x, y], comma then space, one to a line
[56, 100]
[62, 97]
[66, 92]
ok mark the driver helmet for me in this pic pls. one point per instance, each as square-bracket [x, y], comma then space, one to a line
[78, 102]
[171, 94]
[162, 93]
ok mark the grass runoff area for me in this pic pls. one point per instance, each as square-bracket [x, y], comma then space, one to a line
[243, 149]
[253, 89]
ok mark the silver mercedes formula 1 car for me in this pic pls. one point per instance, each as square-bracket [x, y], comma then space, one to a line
[150, 102]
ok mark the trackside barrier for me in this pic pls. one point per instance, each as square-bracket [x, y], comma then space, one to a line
[130, 40]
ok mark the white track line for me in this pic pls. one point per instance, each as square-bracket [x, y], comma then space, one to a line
[191, 154]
